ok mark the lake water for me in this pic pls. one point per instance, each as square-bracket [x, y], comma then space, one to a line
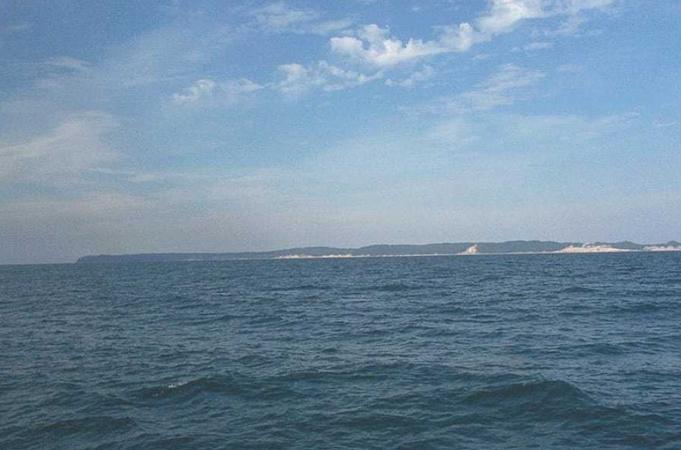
[515, 351]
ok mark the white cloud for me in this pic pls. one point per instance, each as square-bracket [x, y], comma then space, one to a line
[504, 15]
[502, 88]
[571, 26]
[279, 17]
[377, 49]
[326, 26]
[61, 155]
[164, 54]
[298, 79]
[568, 27]
[413, 79]
[569, 68]
[206, 88]
[517, 134]
[456, 132]
[576, 6]
[532, 46]
[665, 124]
[240, 86]
[375, 46]
[538, 46]
[573, 10]
[458, 38]
[66, 62]
[200, 89]
[53, 73]
[149, 60]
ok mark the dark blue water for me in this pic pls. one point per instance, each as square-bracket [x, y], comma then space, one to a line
[534, 351]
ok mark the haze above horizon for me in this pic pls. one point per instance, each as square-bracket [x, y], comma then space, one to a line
[211, 126]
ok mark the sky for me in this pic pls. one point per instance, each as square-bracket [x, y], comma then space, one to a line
[210, 126]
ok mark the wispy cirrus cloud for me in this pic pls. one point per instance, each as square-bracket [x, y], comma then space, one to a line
[414, 78]
[507, 85]
[370, 52]
[295, 79]
[290, 80]
[534, 46]
[298, 79]
[228, 91]
[68, 63]
[280, 17]
[61, 155]
[517, 133]
[375, 46]
[502, 88]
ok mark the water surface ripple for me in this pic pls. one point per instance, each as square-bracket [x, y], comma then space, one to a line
[524, 351]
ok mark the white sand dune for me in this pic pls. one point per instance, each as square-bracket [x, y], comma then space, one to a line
[591, 248]
[472, 250]
[662, 248]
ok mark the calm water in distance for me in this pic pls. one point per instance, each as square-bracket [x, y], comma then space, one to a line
[525, 351]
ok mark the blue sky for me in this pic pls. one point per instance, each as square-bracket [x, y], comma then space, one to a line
[220, 126]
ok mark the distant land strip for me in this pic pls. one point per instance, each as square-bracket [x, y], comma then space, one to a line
[458, 248]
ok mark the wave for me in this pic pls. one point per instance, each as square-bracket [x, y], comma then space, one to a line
[75, 428]
[223, 385]
[490, 278]
[645, 307]
[209, 319]
[187, 389]
[96, 423]
[652, 293]
[395, 287]
[578, 290]
[302, 287]
[604, 348]
[564, 404]
[542, 394]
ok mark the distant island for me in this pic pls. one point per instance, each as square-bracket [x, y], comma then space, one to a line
[443, 249]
